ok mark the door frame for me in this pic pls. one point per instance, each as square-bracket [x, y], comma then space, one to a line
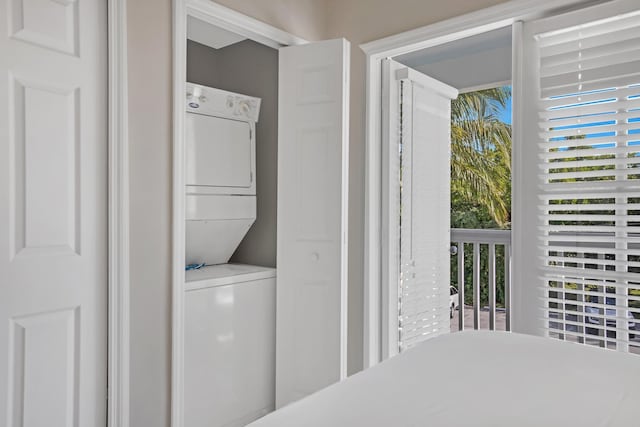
[231, 20]
[375, 237]
[118, 217]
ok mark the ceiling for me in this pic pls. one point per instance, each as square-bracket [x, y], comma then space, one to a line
[471, 62]
[210, 35]
[490, 40]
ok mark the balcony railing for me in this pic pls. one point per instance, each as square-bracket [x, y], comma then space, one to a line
[481, 273]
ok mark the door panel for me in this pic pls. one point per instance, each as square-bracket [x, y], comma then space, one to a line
[45, 146]
[53, 188]
[312, 218]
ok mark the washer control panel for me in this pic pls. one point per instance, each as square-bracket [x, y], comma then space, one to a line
[221, 103]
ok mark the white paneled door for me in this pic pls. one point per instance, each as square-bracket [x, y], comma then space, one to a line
[312, 218]
[416, 200]
[53, 222]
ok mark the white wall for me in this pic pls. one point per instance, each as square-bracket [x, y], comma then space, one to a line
[149, 44]
[362, 21]
[149, 47]
[304, 18]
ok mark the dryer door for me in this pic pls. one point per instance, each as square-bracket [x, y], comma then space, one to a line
[219, 153]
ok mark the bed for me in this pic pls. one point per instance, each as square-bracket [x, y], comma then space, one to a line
[480, 379]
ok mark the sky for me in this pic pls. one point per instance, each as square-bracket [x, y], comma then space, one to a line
[505, 114]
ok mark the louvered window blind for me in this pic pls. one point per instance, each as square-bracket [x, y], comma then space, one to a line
[423, 303]
[589, 198]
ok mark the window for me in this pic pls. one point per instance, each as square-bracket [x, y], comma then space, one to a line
[588, 183]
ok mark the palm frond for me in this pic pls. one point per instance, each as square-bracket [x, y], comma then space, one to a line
[481, 151]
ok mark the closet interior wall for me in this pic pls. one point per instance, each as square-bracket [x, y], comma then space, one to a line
[249, 68]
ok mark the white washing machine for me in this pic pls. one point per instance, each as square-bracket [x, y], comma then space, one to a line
[230, 309]
[230, 325]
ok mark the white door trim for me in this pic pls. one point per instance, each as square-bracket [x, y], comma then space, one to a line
[230, 20]
[467, 25]
[118, 202]
[236, 22]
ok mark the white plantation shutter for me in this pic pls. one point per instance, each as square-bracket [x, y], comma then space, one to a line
[423, 294]
[589, 179]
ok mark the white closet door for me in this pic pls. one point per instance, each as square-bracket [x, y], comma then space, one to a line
[312, 218]
[416, 161]
[53, 213]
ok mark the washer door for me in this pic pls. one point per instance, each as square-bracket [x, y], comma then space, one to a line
[219, 152]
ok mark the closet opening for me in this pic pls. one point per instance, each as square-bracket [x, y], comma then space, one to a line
[260, 176]
[231, 156]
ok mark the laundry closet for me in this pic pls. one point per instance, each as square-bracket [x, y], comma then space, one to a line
[264, 301]
[231, 213]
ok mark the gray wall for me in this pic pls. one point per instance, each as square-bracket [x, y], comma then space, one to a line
[202, 64]
[249, 68]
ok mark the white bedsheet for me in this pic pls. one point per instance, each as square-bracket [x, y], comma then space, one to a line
[480, 379]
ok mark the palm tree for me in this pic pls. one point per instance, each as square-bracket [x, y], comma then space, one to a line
[481, 151]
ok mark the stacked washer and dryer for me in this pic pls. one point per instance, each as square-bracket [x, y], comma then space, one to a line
[229, 308]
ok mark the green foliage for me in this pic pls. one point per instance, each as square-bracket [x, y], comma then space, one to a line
[484, 275]
[481, 153]
[466, 214]
[480, 180]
